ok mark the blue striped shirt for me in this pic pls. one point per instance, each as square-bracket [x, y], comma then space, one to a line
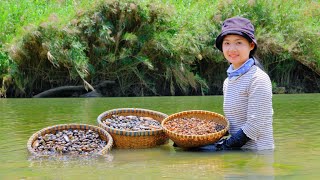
[248, 105]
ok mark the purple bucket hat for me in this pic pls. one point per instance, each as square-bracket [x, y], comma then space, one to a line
[238, 26]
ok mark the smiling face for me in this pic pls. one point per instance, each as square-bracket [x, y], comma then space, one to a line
[236, 49]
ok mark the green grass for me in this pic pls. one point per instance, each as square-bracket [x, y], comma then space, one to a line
[17, 15]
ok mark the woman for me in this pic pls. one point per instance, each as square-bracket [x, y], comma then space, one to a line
[247, 90]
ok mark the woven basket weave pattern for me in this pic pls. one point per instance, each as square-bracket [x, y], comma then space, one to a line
[188, 141]
[135, 139]
[104, 135]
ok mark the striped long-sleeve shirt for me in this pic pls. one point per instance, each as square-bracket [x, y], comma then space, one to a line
[248, 105]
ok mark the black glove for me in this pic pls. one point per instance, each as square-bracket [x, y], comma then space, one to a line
[234, 142]
[227, 134]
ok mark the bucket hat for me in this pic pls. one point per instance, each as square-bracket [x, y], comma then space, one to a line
[238, 26]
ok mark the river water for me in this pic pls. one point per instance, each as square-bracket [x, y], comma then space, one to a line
[296, 133]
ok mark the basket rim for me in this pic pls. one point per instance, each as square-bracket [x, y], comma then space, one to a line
[128, 132]
[103, 151]
[170, 117]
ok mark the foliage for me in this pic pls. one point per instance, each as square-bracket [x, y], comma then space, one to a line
[124, 42]
[162, 47]
[17, 15]
[7, 72]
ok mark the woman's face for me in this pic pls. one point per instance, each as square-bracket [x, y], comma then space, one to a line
[236, 49]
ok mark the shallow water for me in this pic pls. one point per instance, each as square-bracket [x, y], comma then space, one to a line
[296, 123]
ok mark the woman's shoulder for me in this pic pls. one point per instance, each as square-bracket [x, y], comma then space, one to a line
[258, 72]
[259, 75]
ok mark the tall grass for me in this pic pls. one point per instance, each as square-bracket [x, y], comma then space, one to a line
[125, 42]
[18, 18]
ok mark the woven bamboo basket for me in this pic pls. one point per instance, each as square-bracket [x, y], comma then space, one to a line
[190, 141]
[135, 139]
[104, 135]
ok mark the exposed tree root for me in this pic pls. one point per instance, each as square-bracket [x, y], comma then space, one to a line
[74, 91]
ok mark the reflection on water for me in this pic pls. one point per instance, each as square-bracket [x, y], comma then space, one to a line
[296, 133]
[67, 161]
